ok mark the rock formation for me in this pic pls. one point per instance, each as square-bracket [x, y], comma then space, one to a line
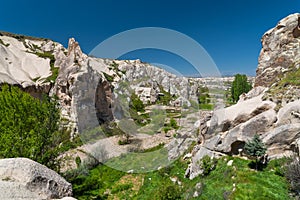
[271, 109]
[22, 178]
[280, 51]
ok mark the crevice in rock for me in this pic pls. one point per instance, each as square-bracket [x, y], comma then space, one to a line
[103, 98]
[296, 31]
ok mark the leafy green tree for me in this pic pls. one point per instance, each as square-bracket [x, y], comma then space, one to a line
[28, 126]
[239, 86]
[255, 148]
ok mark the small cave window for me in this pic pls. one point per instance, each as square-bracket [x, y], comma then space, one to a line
[235, 146]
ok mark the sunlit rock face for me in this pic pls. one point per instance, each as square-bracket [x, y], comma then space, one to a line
[271, 109]
[280, 51]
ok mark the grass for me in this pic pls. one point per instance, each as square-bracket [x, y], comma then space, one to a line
[107, 183]
[206, 106]
[291, 78]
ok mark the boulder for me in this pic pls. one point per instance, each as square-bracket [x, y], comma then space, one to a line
[236, 137]
[227, 118]
[194, 169]
[282, 140]
[289, 114]
[22, 178]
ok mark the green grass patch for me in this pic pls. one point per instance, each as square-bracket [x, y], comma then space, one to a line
[218, 184]
[206, 106]
[290, 78]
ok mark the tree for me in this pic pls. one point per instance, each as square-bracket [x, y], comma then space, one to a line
[28, 126]
[255, 148]
[239, 86]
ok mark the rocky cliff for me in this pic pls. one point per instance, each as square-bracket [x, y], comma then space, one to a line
[84, 85]
[271, 109]
[280, 51]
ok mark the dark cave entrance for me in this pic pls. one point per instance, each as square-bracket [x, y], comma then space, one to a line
[235, 146]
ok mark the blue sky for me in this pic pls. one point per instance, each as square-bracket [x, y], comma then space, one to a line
[230, 30]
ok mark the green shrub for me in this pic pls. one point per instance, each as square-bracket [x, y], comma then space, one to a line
[28, 126]
[169, 192]
[78, 161]
[136, 104]
[173, 123]
[255, 149]
[166, 97]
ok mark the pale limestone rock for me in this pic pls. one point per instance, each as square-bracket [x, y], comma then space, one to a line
[22, 178]
[289, 114]
[280, 51]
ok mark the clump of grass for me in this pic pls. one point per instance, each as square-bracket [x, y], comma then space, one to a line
[291, 78]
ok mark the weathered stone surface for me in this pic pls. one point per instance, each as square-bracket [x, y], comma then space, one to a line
[236, 137]
[193, 169]
[230, 128]
[22, 178]
[224, 119]
[280, 51]
[289, 114]
[282, 140]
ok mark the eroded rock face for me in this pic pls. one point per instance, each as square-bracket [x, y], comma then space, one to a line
[22, 178]
[230, 128]
[280, 51]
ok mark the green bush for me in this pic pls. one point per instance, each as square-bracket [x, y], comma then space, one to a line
[136, 103]
[203, 95]
[173, 123]
[28, 126]
[166, 97]
[169, 192]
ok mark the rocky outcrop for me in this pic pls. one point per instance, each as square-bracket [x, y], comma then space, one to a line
[280, 51]
[271, 109]
[22, 178]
